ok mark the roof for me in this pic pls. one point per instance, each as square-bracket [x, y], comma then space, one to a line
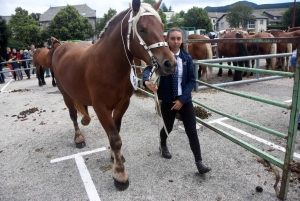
[258, 15]
[275, 13]
[83, 9]
[215, 14]
[7, 18]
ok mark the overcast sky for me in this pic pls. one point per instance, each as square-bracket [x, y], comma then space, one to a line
[7, 7]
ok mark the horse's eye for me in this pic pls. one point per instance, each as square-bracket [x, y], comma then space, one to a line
[142, 30]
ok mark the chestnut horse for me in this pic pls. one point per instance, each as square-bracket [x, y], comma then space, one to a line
[233, 50]
[262, 48]
[200, 51]
[283, 48]
[42, 59]
[99, 75]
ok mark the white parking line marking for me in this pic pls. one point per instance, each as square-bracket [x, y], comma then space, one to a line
[2, 90]
[288, 101]
[256, 138]
[83, 171]
[87, 179]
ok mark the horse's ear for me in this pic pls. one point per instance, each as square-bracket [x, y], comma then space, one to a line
[157, 5]
[136, 5]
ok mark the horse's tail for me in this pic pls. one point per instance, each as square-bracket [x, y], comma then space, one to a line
[81, 110]
[209, 55]
[273, 50]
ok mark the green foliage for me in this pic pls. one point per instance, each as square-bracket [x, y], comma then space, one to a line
[69, 24]
[164, 7]
[19, 45]
[181, 13]
[278, 26]
[287, 18]
[198, 18]
[25, 30]
[103, 21]
[240, 15]
[35, 16]
[151, 2]
[176, 21]
[163, 17]
[4, 35]
[170, 8]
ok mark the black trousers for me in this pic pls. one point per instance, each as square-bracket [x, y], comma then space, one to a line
[187, 114]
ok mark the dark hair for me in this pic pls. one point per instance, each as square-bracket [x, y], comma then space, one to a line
[179, 30]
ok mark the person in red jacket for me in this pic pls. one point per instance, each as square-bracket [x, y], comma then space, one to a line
[14, 56]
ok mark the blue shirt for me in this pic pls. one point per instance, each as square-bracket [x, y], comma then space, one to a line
[165, 92]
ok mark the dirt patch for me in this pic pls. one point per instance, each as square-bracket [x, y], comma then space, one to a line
[106, 168]
[199, 111]
[19, 90]
[24, 113]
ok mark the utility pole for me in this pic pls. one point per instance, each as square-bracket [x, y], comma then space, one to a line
[294, 14]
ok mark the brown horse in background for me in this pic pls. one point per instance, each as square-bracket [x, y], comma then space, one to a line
[200, 51]
[262, 48]
[42, 59]
[283, 48]
[99, 75]
[233, 50]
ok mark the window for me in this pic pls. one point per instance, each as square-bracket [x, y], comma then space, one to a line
[261, 22]
[214, 21]
[222, 25]
[83, 14]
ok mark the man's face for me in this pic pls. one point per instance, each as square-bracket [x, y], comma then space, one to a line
[32, 47]
[14, 50]
[8, 49]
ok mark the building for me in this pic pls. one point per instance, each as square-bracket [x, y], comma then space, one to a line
[169, 15]
[83, 9]
[274, 15]
[7, 18]
[219, 24]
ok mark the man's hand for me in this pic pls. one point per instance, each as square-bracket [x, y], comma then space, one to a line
[177, 105]
[152, 87]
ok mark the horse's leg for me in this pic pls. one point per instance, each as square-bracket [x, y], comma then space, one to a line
[42, 71]
[199, 72]
[268, 62]
[229, 71]
[38, 67]
[237, 73]
[112, 127]
[220, 70]
[86, 119]
[78, 138]
[204, 73]
[53, 80]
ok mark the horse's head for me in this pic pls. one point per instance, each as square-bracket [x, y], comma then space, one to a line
[55, 42]
[145, 38]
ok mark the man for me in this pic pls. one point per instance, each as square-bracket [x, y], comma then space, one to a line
[8, 52]
[30, 54]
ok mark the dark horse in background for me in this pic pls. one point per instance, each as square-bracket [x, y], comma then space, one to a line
[99, 75]
[42, 59]
[233, 50]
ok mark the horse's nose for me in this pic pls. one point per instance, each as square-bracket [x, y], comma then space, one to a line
[169, 64]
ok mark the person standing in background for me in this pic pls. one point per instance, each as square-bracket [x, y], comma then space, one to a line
[30, 53]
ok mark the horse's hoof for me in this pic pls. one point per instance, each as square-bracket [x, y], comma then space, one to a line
[40, 84]
[80, 145]
[120, 185]
[44, 83]
[85, 122]
[54, 85]
[219, 74]
[113, 160]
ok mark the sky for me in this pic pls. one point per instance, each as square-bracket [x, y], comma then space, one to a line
[40, 6]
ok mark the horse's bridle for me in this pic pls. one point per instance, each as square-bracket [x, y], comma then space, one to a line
[142, 42]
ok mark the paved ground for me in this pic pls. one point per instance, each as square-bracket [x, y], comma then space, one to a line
[32, 167]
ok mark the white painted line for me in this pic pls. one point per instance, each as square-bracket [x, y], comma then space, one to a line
[87, 179]
[218, 120]
[78, 154]
[257, 138]
[288, 101]
[6, 85]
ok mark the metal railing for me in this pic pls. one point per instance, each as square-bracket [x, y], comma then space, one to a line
[294, 107]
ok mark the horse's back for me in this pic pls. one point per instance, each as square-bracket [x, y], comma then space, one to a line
[197, 50]
[40, 56]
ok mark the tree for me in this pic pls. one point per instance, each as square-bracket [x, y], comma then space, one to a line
[103, 21]
[239, 15]
[176, 21]
[287, 17]
[170, 8]
[182, 13]
[36, 16]
[162, 16]
[198, 18]
[164, 7]
[4, 35]
[69, 24]
[25, 30]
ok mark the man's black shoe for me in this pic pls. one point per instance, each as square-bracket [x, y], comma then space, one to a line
[298, 126]
[202, 169]
[164, 151]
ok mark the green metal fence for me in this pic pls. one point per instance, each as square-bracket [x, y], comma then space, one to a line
[294, 107]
